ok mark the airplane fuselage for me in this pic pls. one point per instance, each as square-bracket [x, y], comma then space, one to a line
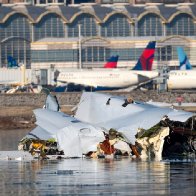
[106, 78]
[182, 79]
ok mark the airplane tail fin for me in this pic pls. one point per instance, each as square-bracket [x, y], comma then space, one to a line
[112, 62]
[146, 59]
[11, 62]
[183, 59]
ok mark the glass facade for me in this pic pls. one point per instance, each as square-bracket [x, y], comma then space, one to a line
[89, 54]
[127, 54]
[50, 25]
[17, 32]
[87, 24]
[17, 25]
[182, 24]
[54, 55]
[15, 37]
[166, 53]
[150, 25]
[93, 54]
[18, 48]
[116, 26]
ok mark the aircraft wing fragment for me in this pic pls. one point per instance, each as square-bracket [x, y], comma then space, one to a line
[98, 115]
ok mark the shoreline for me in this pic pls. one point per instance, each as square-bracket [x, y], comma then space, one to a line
[21, 117]
[73, 98]
[13, 117]
[16, 110]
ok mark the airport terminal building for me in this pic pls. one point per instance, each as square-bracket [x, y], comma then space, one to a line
[48, 36]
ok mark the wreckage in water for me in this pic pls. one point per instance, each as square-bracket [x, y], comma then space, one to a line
[106, 125]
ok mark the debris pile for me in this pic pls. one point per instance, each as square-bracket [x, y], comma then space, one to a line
[39, 148]
[106, 127]
[168, 138]
[113, 145]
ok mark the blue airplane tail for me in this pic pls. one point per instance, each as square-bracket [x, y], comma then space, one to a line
[11, 62]
[183, 59]
[146, 59]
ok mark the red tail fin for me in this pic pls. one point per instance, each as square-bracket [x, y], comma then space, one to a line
[146, 59]
[112, 62]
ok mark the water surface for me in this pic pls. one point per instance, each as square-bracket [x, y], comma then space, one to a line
[93, 177]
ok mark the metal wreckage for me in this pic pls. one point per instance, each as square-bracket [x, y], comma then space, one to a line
[109, 126]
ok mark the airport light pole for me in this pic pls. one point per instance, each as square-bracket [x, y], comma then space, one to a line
[79, 46]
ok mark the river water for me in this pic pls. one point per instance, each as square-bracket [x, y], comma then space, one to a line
[93, 177]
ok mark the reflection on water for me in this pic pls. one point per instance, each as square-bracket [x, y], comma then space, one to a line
[89, 177]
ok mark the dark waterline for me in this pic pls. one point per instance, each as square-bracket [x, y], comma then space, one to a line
[93, 177]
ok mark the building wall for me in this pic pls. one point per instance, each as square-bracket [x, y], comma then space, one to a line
[45, 36]
[98, 1]
[12, 1]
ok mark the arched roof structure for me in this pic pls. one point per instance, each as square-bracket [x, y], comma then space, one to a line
[117, 12]
[81, 13]
[8, 15]
[95, 38]
[47, 13]
[101, 12]
[179, 13]
[148, 12]
[175, 37]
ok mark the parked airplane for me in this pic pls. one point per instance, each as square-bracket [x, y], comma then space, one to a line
[185, 78]
[182, 79]
[107, 79]
[183, 59]
[112, 62]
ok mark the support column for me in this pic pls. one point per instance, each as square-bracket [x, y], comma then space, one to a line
[79, 46]
[32, 32]
[164, 29]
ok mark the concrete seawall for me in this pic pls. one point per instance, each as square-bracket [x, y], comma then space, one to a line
[72, 98]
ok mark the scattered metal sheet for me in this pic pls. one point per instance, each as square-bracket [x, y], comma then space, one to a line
[107, 126]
